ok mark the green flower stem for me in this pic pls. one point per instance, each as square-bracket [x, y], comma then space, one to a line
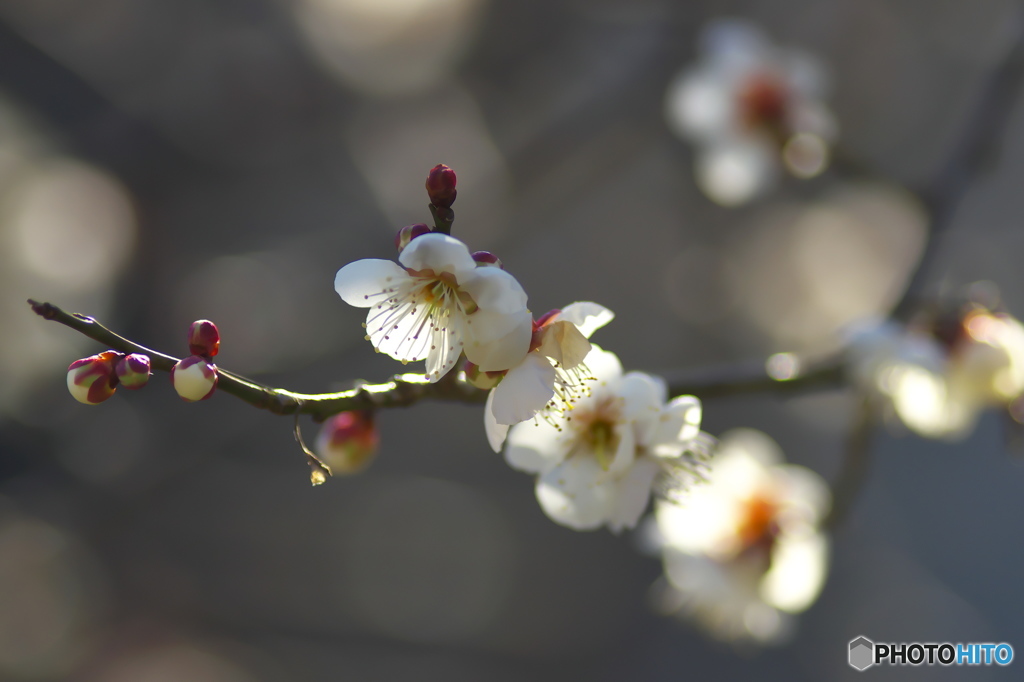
[443, 218]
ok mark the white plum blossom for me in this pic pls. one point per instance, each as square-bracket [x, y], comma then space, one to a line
[617, 444]
[937, 377]
[743, 551]
[750, 106]
[552, 375]
[438, 304]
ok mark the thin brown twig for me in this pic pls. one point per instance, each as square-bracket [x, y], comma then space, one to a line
[856, 460]
[319, 472]
[401, 391]
[407, 389]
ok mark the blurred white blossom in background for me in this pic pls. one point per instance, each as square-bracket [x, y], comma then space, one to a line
[937, 375]
[744, 551]
[750, 107]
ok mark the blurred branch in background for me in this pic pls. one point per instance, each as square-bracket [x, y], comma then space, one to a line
[856, 456]
[975, 152]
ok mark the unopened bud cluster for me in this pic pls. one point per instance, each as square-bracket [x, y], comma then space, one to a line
[93, 379]
[195, 377]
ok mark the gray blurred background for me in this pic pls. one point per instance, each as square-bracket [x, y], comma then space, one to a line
[163, 161]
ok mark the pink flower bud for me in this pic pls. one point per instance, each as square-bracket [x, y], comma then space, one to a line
[92, 380]
[348, 442]
[484, 380]
[194, 378]
[408, 233]
[133, 370]
[441, 186]
[203, 339]
[487, 259]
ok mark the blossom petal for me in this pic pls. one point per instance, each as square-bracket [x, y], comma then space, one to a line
[524, 391]
[399, 332]
[587, 316]
[698, 104]
[361, 282]
[536, 447]
[678, 424]
[632, 494]
[807, 497]
[571, 495]
[797, 573]
[493, 351]
[496, 432]
[735, 40]
[603, 365]
[734, 172]
[564, 343]
[446, 346]
[440, 253]
[643, 397]
[493, 289]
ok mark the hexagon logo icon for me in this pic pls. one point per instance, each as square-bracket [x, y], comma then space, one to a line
[862, 653]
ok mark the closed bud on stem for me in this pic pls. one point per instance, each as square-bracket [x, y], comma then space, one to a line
[487, 259]
[133, 370]
[194, 378]
[93, 379]
[441, 186]
[484, 380]
[348, 442]
[203, 339]
[408, 233]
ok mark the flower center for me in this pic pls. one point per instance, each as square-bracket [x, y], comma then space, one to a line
[419, 309]
[442, 291]
[763, 103]
[757, 527]
[595, 431]
[602, 441]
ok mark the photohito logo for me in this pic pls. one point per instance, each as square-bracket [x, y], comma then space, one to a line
[864, 653]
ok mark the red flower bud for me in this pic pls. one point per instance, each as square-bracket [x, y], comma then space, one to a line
[441, 186]
[133, 370]
[408, 233]
[348, 442]
[93, 379]
[487, 259]
[194, 378]
[203, 338]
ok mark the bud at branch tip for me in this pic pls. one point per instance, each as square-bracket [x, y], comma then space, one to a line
[93, 379]
[441, 186]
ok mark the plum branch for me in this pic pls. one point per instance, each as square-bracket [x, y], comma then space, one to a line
[404, 390]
